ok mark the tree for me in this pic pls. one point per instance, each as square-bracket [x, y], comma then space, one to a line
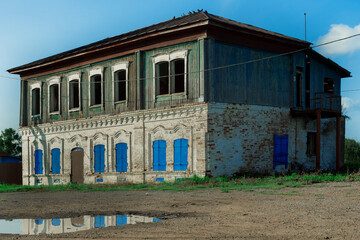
[352, 150]
[10, 142]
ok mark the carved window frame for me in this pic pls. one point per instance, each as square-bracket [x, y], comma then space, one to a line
[32, 87]
[73, 77]
[117, 67]
[50, 82]
[92, 72]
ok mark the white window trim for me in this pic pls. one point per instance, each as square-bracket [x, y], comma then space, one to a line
[92, 72]
[72, 77]
[53, 81]
[168, 57]
[32, 87]
[115, 68]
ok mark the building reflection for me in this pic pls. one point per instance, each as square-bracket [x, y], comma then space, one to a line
[67, 225]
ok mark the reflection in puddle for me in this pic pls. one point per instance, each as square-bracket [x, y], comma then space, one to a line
[67, 225]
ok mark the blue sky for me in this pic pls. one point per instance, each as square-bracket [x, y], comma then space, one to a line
[35, 29]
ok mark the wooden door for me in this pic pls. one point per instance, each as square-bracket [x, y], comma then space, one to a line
[77, 166]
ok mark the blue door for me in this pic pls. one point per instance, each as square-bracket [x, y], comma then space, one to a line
[38, 162]
[180, 154]
[99, 163]
[55, 161]
[159, 155]
[121, 220]
[121, 157]
[281, 150]
[99, 221]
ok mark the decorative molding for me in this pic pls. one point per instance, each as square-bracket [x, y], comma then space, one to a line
[105, 121]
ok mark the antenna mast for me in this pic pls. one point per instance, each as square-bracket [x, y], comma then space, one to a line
[305, 25]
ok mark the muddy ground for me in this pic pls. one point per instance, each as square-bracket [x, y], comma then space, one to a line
[320, 211]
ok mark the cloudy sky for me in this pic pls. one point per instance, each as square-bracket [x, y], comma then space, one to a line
[35, 29]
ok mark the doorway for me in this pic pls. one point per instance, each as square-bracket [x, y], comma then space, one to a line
[77, 166]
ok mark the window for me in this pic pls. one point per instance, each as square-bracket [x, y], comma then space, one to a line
[55, 161]
[121, 157]
[173, 83]
[121, 220]
[159, 155]
[95, 90]
[54, 98]
[180, 154]
[99, 221]
[38, 162]
[329, 85]
[311, 144]
[56, 222]
[99, 163]
[74, 94]
[281, 150]
[120, 86]
[299, 80]
[170, 73]
[35, 105]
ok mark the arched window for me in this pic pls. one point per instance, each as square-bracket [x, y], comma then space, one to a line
[95, 90]
[55, 161]
[120, 85]
[54, 98]
[180, 154]
[35, 105]
[99, 156]
[159, 155]
[121, 157]
[74, 94]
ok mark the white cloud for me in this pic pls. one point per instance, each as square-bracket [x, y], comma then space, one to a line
[348, 103]
[338, 31]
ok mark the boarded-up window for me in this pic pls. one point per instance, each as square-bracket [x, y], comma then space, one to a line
[55, 161]
[38, 162]
[121, 220]
[99, 221]
[180, 154]
[120, 86]
[74, 94]
[121, 157]
[35, 96]
[95, 90]
[54, 98]
[311, 144]
[99, 155]
[329, 85]
[177, 69]
[162, 78]
[159, 155]
[281, 150]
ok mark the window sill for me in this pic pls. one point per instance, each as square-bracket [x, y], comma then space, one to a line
[74, 110]
[120, 102]
[35, 117]
[54, 113]
[96, 106]
[170, 95]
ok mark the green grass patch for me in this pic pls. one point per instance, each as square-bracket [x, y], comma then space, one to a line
[225, 184]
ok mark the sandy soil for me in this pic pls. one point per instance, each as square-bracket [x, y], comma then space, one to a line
[321, 211]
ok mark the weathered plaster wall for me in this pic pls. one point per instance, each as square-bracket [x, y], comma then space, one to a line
[138, 129]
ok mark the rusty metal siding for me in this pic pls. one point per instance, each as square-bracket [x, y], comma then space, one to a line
[265, 82]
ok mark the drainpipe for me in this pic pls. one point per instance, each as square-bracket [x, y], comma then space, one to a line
[318, 138]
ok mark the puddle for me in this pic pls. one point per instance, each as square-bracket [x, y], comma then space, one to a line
[67, 225]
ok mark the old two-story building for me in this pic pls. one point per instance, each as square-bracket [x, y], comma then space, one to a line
[199, 94]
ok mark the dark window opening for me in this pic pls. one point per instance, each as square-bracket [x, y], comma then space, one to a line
[74, 94]
[311, 144]
[162, 78]
[329, 85]
[95, 90]
[307, 82]
[54, 98]
[299, 79]
[120, 86]
[177, 75]
[35, 95]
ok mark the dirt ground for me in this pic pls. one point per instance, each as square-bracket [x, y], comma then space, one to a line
[320, 211]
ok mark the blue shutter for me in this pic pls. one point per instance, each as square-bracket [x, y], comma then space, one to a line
[99, 163]
[56, 222]
[99, 221]
[38, 162]
[121, 220]
[55, 158]
[281, 150]
[159, 155]
[39, 221]
[180, 154]
[121, 157]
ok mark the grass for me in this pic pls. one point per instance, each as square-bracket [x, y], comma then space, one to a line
[225, 184]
